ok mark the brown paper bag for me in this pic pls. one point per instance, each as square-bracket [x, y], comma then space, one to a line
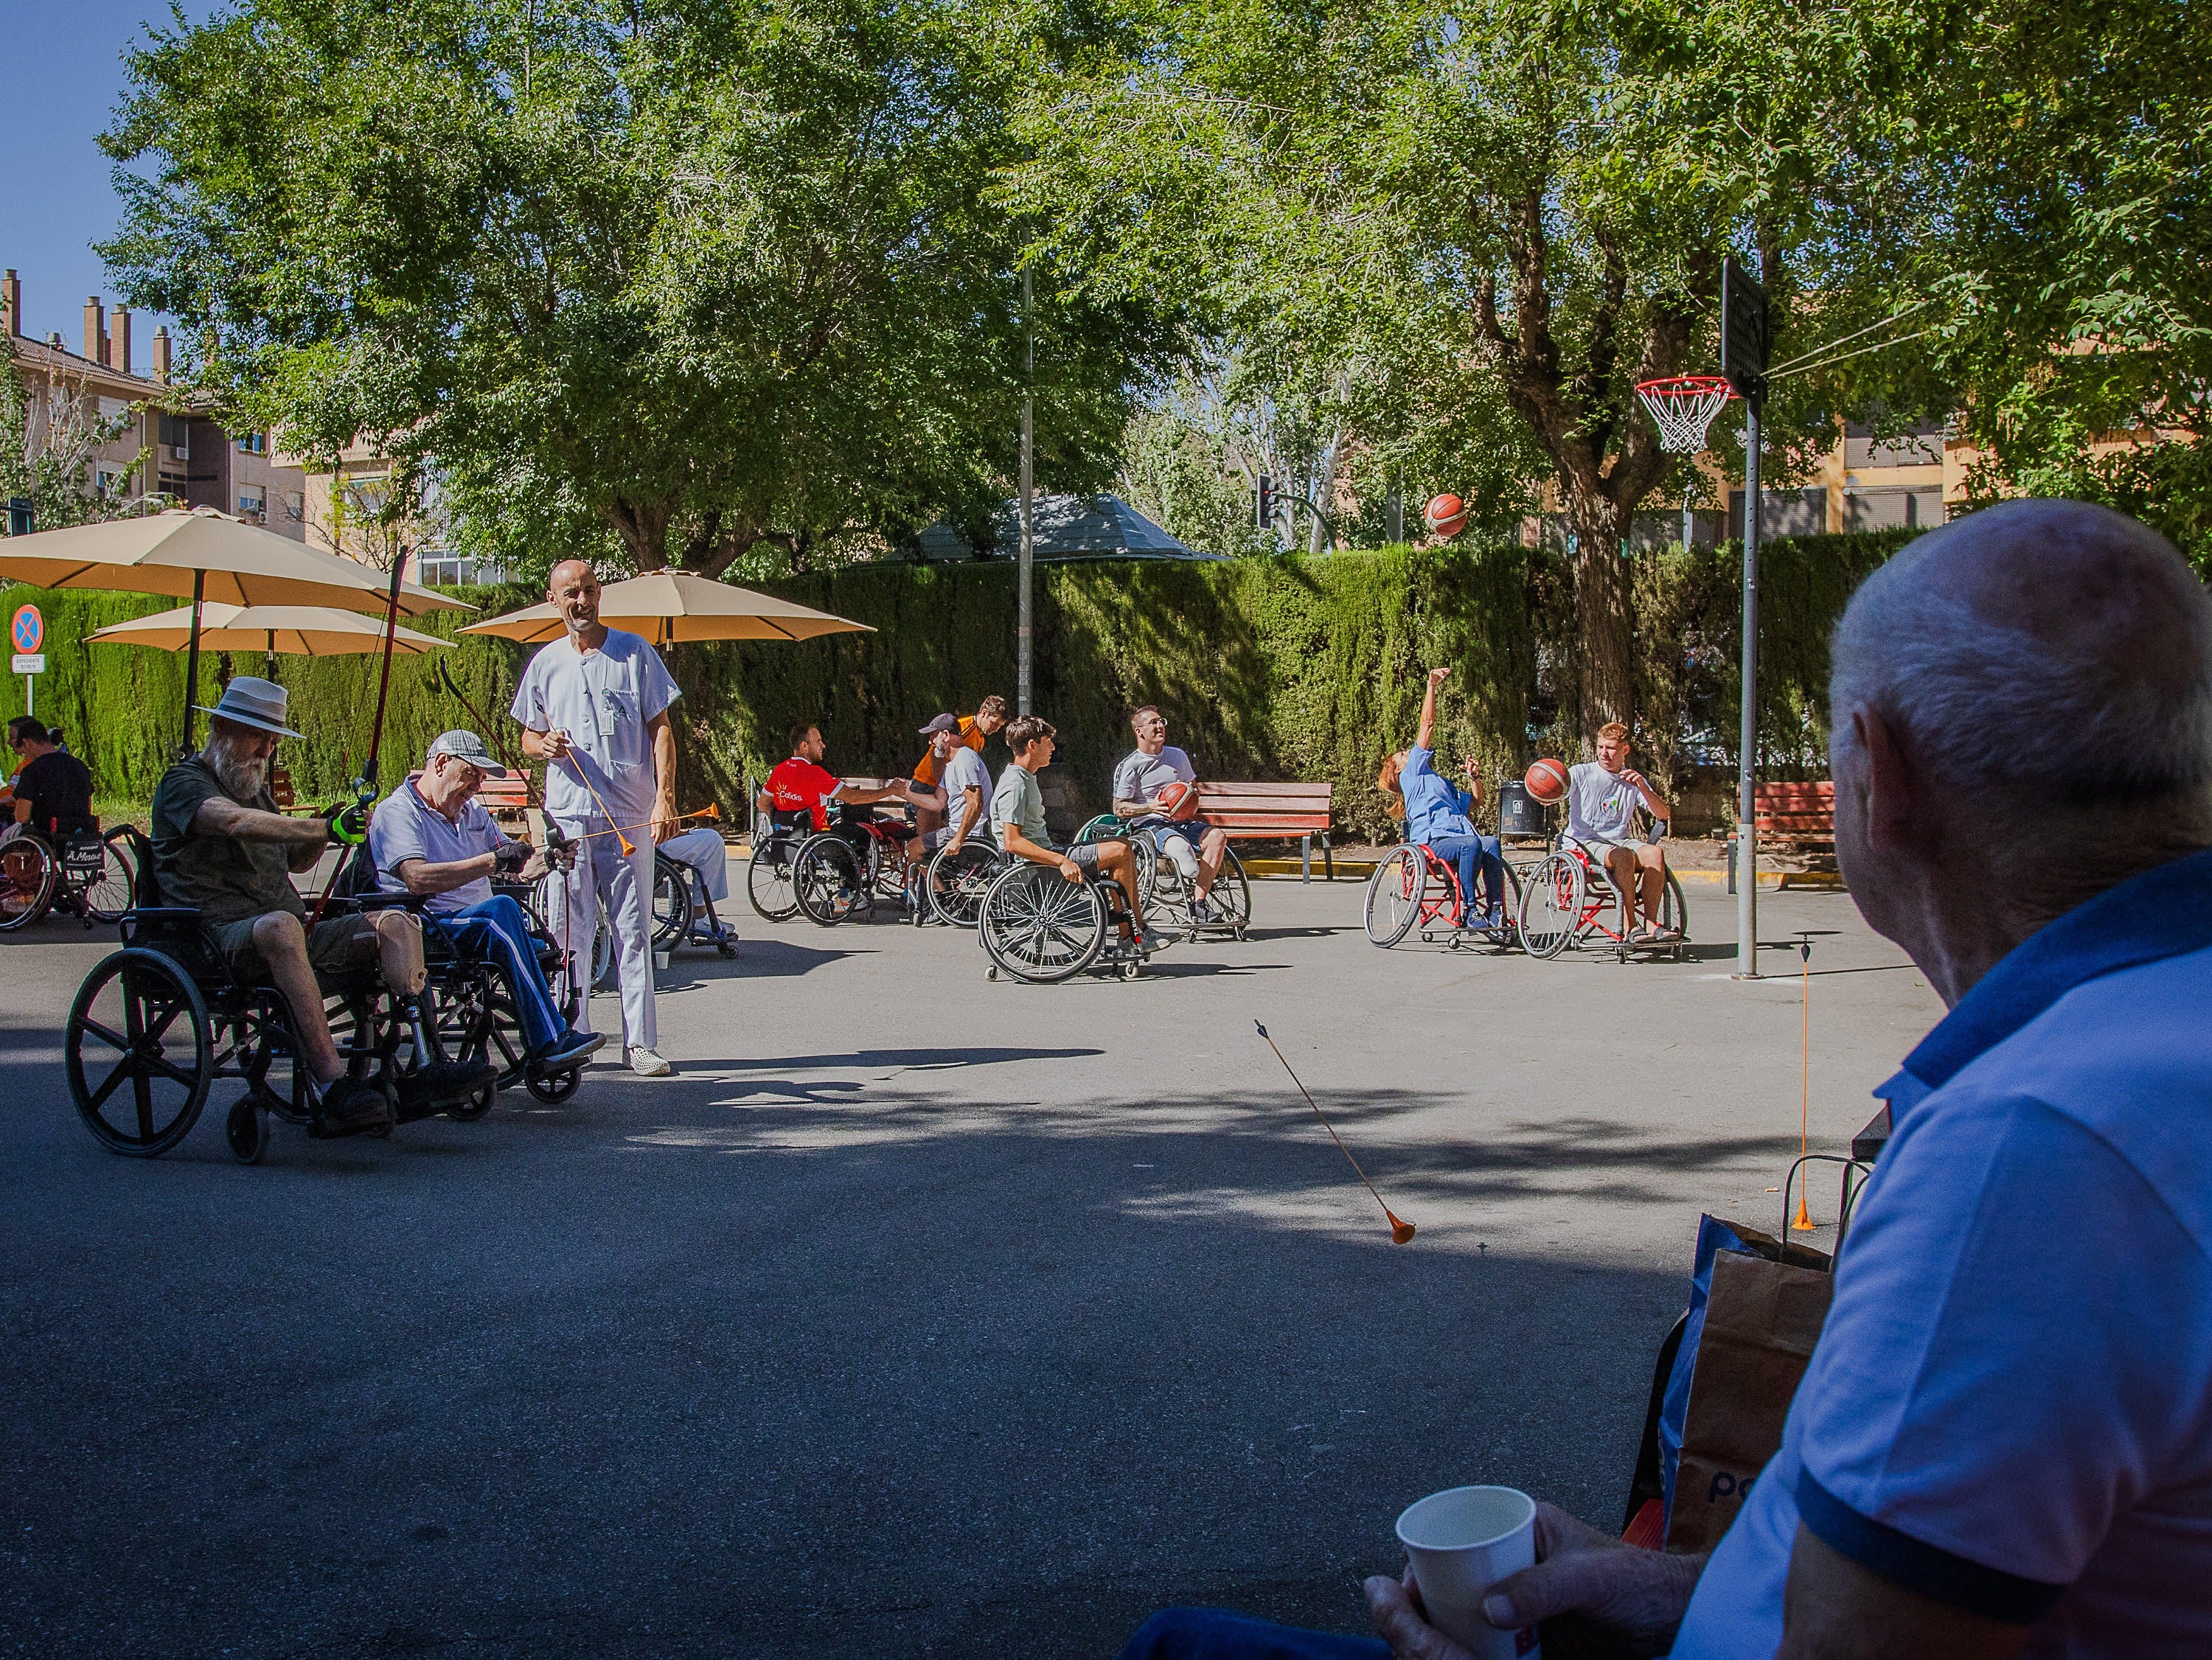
[1762, 1318]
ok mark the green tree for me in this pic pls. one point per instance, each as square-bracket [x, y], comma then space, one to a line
[1527, 205]
[666, 279]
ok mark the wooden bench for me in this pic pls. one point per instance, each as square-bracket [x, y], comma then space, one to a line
[1273, 812]
[280, 786]
[508, 799]
[1796, 822]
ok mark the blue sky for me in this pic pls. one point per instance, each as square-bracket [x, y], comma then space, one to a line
[65, 73]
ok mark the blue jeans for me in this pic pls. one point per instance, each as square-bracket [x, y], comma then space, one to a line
[1467, 853]
[1219, 1634]
[498, 929]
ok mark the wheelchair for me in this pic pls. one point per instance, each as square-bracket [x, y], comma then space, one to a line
[1039, 927]
[952, 889]
[165, 1016]
[79, 873]
[677, 910]
[1412, 887]
[847, 868]
[1166, 896]
[768, 873]
[1569, 898]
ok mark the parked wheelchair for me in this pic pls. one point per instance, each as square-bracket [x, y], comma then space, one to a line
[1166, 896]
[769, 872]
[1570, 900]
[684, 911]
[158, 1022]
[76, 872]
[1038, 926]
[1412, 888]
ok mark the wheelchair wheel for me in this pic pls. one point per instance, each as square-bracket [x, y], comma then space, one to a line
[672, 902]
[1394, 895]
[1231, 896]
[27, 873]
[827, 880]
[956, 884]
[603, 953]
[1158, 883]
[474, 1016]
[246, 1130]
[135, 1095]
[768, 879]
[1674, 914]
[557, 1088]
[106, 899]
[1038, 925]
[1550, 906]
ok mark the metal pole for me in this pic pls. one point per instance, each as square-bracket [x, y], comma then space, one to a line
[192, 659]
[1746, 819]
[1029, 506]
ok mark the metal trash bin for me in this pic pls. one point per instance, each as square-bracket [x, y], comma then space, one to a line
[1519, 813]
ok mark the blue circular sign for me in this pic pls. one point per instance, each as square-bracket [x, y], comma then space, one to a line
[29, 628]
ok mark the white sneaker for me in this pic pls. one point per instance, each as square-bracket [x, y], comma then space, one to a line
[647, 1064]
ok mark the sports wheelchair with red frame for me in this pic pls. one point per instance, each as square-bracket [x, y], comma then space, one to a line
[1412, 887]
[1568, 898]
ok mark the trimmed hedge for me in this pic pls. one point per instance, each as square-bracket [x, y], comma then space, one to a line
[1266, 669]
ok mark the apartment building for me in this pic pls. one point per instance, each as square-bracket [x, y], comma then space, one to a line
[136, 436]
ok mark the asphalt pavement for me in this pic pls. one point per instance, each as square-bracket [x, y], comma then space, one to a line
[917, 1315]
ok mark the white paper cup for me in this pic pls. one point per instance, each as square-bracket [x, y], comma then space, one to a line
[1460, 1542]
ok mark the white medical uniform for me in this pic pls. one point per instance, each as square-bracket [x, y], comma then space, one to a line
[604, 700]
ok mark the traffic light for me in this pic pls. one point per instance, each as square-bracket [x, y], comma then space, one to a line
[1263, 513]
[20, 521]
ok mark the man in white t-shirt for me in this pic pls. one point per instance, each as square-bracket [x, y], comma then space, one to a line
[2003, 1445]
[1603, 797]
[593, 706]
[1195, 847]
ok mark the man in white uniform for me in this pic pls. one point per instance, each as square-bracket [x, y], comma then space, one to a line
[594, 708]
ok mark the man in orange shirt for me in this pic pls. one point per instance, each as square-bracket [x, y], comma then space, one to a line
[990, 715]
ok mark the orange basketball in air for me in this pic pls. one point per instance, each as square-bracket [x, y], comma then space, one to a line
[1445, 516]
[1547, 780]
[1181, 801]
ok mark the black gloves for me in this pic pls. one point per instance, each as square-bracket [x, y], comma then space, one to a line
[346, 822]
[510, 857]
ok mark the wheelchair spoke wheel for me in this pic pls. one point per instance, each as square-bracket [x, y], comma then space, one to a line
[672, 902]
[603, 953]
[108, 897]
[1394, 895]
[1675, 915]
[1159, 884]
[1231, 895]
[959, 883]
[1550, 906]
[27, 872]
[138, 1053]
[827, 880]
[1038, 925]
[769, 878]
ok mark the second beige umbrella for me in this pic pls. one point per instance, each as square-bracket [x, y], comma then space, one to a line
[668, 606]
[312, 631]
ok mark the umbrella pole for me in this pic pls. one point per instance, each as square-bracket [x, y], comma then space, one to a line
[193, 661]
[365, 785]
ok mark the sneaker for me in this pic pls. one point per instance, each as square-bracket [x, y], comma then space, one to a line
[1201, 909]
[1141, 943]
[349, 1103]
[647, 1064]
[563, 1054]
[443, 1082]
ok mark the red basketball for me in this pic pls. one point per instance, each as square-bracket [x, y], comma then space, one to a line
[1181, 801]
[1445, 516]
[1547, 780]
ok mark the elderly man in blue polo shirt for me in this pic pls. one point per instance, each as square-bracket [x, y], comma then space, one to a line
[432, 837]
[2002, 1446]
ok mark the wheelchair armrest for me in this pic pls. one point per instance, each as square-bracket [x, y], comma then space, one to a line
[163, 913]
[414, 902]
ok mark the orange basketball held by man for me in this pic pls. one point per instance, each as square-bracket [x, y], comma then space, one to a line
[1157, 791]
[1445, 517]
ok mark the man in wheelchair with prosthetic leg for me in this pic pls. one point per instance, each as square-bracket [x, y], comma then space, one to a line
[220, 848]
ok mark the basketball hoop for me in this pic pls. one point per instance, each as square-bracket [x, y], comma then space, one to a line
[1684, 406]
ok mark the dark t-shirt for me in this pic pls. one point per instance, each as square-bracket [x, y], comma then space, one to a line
[228, 878]
[58, 786]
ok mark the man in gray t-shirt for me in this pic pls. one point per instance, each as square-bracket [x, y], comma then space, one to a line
[1603, 797]
[960, 799]
[1195, 847]
[1017, 821]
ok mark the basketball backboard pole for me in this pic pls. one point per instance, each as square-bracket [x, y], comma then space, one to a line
[1743, 360]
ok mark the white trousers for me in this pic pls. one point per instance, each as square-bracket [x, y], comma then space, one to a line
[624, 887]
[708, 857]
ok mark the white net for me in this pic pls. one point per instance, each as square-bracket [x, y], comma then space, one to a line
[1683, 408]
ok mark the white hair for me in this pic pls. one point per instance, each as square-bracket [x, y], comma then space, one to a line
[2116, 717]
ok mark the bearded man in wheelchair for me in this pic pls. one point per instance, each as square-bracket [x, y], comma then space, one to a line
[222, 847]
[431, 839]
[1603, 798]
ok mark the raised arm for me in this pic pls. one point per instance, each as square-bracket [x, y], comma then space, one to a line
[1425, 739]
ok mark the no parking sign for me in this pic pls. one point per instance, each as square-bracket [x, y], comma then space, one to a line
[28, 629]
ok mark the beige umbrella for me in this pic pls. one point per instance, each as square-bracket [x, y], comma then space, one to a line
[203, 555]
[668, 606]
[312, 631]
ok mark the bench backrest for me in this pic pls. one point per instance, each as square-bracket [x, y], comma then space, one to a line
[1808, 809]
[509, 795]
[280, 786]
[1288, 810]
